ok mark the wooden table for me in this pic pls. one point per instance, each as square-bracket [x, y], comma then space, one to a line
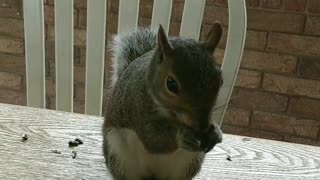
[49, 130]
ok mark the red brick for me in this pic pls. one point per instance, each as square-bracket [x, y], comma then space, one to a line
[51, 103]
[262, 61]
[114, 6]
[12, 97]
[213, 13]
[304, 108]
[252, 3]
[79, 107]
[50, 50]
[174, 29]
[309, 66]
[271, 4]
[144, 22]
[295, 5]
[10, 80]
[291, 85]
[82, 55]
[300, 140]
[274, 21]
[12, 63]
[208, 2]
[49, 2]
[80, 36]
[237, 117]
[258, 100]
[82, 18]
[314, 6]
[294, 44]
[313, 25]
[248, 79]
[285, 124]
[5, 3]
[79, 91]
[80, 3]
[112, 26]
[250, 132]
[11, 27]
[49, 14]
[176, 12]
[8, 45]
[223, 3]
[146, 7]
[269, 62]
[10, 13]
[254, 40]
[79, 74]
[50, 88]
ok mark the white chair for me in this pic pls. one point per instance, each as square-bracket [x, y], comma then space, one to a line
[128, 18]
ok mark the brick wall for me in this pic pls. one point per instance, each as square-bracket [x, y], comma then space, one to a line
[277, 94]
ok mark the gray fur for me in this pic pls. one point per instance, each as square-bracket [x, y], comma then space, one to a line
[128, 46]
[134, 118]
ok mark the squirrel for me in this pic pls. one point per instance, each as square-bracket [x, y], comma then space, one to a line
[157, 117]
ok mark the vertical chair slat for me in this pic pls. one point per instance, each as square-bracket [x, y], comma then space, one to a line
[192, 18]
[128, 15]
[64, 54]
[161, 14]
[34, 52]
[233, 55]
[96, 26]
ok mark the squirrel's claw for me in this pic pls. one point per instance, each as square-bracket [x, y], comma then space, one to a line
[206, 142]
[210, 139]
[189, 141]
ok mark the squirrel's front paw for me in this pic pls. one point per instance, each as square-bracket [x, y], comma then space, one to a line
[211, 138]
[205, 142]
[188, 140]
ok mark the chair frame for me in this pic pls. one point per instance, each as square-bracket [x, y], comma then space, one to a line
[95, 48]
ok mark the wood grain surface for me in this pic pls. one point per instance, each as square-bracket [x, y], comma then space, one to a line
[49, 130]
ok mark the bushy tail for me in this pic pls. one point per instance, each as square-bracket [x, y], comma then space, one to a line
[127, 47]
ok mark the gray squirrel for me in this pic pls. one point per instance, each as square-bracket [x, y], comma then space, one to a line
[157, 117]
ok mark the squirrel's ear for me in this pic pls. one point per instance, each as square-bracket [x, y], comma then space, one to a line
[163, 42]
[213, 36]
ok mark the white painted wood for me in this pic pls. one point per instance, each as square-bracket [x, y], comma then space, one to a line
[34, 52]
[233, 55]
[64, 54]
[161, 14]
[252, 158]
[192, 18]
[96, 26]
[128, 15]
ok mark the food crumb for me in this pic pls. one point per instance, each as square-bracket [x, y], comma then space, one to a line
[246, 139]
[229, 158]
[73, 143]
[56, 151]
[74, 154]
[24, 137]
[79, 140]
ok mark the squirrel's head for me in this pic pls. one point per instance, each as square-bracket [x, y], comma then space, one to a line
[184, 78]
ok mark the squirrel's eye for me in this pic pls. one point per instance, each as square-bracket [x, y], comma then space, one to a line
[172, 85]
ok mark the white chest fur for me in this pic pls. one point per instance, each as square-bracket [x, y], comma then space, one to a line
[136, 162]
